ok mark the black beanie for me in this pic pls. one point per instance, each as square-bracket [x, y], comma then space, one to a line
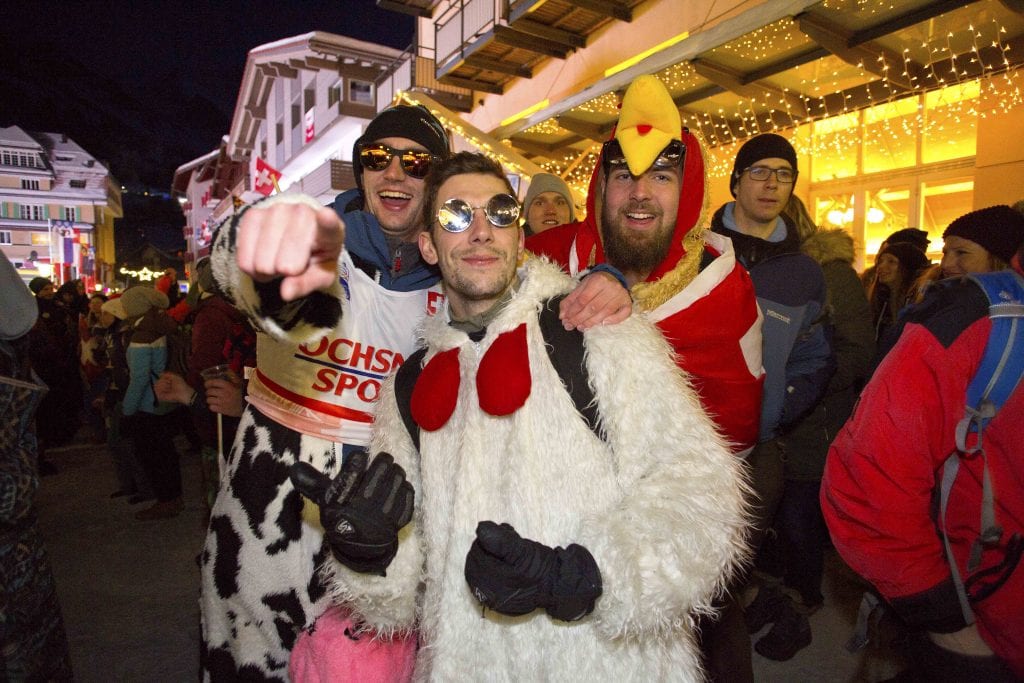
[999, 229]
[403, 121]
[766, 146]
[37, 283]
[911, 259]
[915, 236]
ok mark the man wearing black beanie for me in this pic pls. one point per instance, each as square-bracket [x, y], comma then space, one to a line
[337, 294]
[797, 356]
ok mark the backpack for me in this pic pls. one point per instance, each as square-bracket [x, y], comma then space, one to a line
[1001, 369]
[565, 351]
[179, 346]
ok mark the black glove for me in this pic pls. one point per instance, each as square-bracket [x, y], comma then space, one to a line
[514, 575]
[361, 510]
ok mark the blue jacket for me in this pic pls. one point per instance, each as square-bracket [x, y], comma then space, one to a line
[398, 267]
[797, 353]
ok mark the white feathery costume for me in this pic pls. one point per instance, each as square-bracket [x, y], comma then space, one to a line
[658, 502]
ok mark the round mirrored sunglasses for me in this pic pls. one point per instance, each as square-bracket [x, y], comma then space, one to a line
[376, 156]
[456, 215]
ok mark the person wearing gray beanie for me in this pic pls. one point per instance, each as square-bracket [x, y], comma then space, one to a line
[982, 241]
[548, 203]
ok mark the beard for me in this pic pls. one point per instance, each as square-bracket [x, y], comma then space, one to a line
[632, 251]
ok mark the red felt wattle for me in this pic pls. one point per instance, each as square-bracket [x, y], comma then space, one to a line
[436, 391]
[503, 379]
[643, 128]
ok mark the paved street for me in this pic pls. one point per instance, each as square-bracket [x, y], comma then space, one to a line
[129, 589]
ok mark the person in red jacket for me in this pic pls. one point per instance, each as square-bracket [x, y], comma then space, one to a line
[880, 483]
[645, 208]
[645, 212]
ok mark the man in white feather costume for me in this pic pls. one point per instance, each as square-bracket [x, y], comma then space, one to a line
[520, 541]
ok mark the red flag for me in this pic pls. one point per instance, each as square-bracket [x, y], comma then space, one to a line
[266, 177]
[310, 126]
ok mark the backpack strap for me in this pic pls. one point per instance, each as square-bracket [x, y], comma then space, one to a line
[999, 373]
[565, 351]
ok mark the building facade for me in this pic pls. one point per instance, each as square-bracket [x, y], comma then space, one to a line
[57, 208]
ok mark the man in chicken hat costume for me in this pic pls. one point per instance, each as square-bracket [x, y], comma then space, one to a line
[647, 225]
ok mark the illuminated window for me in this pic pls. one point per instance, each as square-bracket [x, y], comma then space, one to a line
[951, 124]
[888, 210]
[942, 202]
[890, 135]
[841, 134]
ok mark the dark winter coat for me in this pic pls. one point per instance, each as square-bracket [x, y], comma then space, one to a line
[853, 346]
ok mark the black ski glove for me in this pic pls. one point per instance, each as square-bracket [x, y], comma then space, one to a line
[514, 575]
[361, 510]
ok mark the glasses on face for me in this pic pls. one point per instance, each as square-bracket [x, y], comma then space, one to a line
[670, 157]
[763, 173]
[376, 156]
[456, 215]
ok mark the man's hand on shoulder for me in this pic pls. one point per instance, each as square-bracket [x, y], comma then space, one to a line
[600, 299]
[294, 242]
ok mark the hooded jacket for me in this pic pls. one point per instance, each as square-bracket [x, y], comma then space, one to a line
[701, 299]
[791, 293]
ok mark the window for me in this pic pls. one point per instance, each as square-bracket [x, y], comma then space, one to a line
[308, 98]
[27, 184]
[334, 95]
[360, 92]
[77, 182]
[27, 159]
[69, 213]
[32, 212]
[5, 237]
[296, 114]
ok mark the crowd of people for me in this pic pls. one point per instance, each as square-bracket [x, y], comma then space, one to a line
[448, 434]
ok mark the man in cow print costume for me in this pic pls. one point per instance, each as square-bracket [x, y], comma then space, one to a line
[336, 294]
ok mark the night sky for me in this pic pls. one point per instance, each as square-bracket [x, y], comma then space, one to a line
[147, 86]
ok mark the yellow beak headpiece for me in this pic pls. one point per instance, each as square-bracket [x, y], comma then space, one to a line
[648, 122]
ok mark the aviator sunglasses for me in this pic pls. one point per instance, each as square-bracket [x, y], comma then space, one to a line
[376, 156]
[670, 157]
[456, 215]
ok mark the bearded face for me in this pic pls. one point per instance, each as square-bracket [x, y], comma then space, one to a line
[638, 217]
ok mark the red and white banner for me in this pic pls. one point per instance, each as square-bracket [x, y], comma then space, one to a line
[310, 126]
[266, 178]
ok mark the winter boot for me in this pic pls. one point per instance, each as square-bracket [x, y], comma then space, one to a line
[790, 634]
[765, 608]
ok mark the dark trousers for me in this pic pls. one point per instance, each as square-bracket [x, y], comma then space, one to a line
[934, 664]
[801, 539]
[153, 436]
[724, 642]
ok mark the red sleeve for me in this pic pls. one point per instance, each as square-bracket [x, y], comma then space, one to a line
[209, 331]
[876, 493]
[554, 243]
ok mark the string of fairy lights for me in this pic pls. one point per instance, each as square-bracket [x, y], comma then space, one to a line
[954, 80]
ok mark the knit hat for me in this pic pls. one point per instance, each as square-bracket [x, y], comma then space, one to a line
[139, 299]
[999, 229]
[403, 121]
[766, 146]
[911, 259]
[37, 283]
[915, 236]
[115, 307]
[547, 182]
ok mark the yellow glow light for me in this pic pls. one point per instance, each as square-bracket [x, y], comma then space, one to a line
[526, 112]
[622, 66]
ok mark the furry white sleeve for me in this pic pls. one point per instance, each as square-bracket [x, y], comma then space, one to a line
[295, 321]
[388, 603]
[670, 543]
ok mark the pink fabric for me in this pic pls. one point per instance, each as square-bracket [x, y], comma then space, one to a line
[334, 651]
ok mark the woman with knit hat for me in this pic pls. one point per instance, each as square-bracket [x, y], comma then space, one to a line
[982, 241]
[548, 204]
[896, 269]
[152, 426]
